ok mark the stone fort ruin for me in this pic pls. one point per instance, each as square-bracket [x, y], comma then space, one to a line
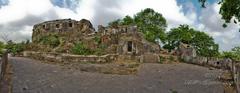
[124, 41]
[53, 41]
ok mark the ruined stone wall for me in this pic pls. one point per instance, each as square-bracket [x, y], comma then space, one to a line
[207, 61]
[67, 29]
[120, 36]
[67, 58]
[119, 40]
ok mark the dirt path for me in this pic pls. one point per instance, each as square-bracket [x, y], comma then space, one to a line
[31, 76]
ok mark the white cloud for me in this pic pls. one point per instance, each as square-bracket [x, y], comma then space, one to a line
[211, 23]
[15, 15]
[18, 17]
[168, 8]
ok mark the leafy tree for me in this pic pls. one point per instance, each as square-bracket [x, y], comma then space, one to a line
[233, 54]
[15, 48]
[181, 34]
[152, 24]
[229, 10]
[204, 44]
[115, 23]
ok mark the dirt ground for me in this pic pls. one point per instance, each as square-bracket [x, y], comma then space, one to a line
[31, 76]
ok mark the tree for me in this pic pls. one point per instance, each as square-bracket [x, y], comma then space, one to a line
[204, 44]
[181, 34]
[15, 48]
[2, 46]
[229, 10]
[234, 54]
[152, 24]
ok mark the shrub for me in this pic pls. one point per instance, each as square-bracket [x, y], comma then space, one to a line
[80, 49]
[15, 48]
[97, 39]
[51, 40]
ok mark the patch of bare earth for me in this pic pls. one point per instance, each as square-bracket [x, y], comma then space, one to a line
[31, 76]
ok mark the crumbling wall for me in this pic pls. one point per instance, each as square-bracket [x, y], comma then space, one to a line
[119, 40]
[67, 58]
[121, 36]
[69, 30]
[208, 61]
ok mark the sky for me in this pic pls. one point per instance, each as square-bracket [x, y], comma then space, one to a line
[17, 17]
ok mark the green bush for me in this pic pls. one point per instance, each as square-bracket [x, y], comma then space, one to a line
[81, 49]
[15, 48]
[97, 39]
[51, 40]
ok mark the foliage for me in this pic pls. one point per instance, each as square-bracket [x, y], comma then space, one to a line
[97, 39]
[233, 54]
[15, 48]
[181, 34]
[229, 10]
[51, 40]
[81, 49]
[152, 24]
[2, 46]
[100, 49]
[203, 43]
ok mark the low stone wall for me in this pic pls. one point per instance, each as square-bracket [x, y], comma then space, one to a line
[213, 62]
[66, 58]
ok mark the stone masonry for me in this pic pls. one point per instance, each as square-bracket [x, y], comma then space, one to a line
[126, 41]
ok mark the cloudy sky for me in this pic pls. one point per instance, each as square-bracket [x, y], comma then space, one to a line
[18, 16]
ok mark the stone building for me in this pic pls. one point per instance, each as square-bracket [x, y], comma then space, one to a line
[120, 40]
[187, 50]
[127, 39]
[68, 29]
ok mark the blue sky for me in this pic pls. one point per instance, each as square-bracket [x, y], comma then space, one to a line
[18, 16]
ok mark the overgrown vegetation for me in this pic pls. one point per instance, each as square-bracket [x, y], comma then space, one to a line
[16, 48]
[81, 49]
[233, 54]
[203, 43]
[151, 23]
[51, 40]
[2, 46]
[97, 39]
